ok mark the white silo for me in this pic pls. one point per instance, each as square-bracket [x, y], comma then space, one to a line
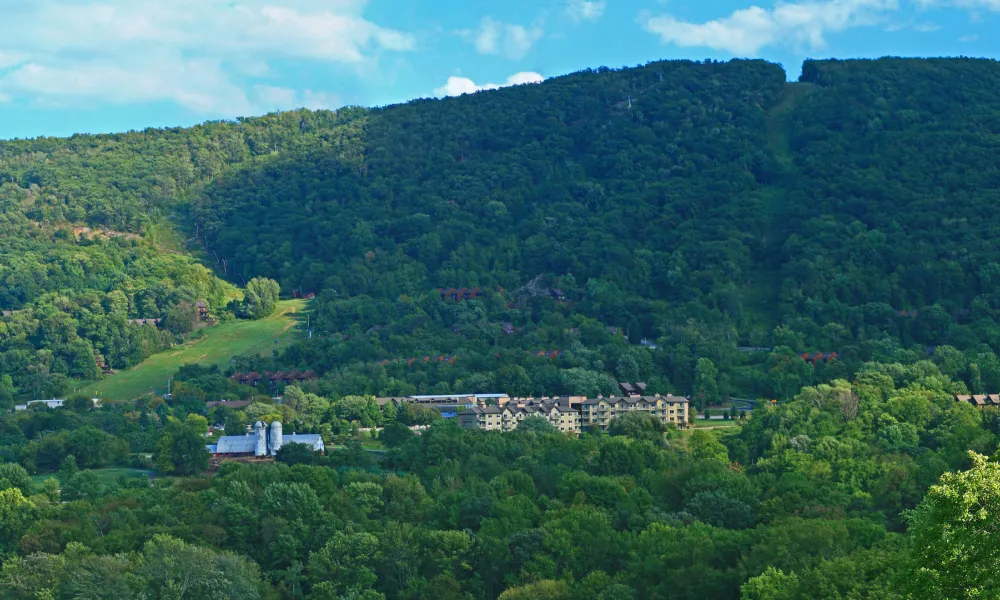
[275, 437]
[260, 431]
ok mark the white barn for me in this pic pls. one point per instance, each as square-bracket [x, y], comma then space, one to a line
[264, 441]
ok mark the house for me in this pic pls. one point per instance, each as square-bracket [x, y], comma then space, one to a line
[980, 400]
[632, 389]
[202, 310]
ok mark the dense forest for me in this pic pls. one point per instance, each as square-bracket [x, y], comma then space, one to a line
[708, 228]
[712, 210]
[845, 493]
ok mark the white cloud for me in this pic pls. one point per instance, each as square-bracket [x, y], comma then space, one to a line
[282, 98]
[509, 39]
[196, 53]
[9, 59]
[456, 86]
[585, 10]
[968, 38]
[993, 5]
[199, 86]
[747, 31]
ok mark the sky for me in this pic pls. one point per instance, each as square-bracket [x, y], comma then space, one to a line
[101, 66]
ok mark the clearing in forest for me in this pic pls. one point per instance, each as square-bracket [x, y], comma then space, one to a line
[216, 346]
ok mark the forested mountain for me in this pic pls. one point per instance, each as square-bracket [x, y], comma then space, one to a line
[735, 221]
[704, 207]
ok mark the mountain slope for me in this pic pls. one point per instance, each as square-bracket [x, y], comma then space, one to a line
[705, 206]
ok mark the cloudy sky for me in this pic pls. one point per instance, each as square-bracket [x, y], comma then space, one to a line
[112, 65]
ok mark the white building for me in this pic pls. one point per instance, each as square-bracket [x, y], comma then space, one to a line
[264, 441]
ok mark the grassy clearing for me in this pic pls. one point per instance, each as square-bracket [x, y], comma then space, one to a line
[107, 476]
[217, 346]
[716, 424]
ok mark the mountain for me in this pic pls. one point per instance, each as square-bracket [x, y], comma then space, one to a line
[703, 206]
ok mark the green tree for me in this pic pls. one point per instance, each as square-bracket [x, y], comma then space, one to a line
[535, 424]
[954, 541]
[67, 469]
[14, 476]
[540, 590]
[772, 584]
[706, 385]
[260, 298]
[16, 513]
[638, 426]
[84, 485]
[181, 450]
[296, 454]
[181, 318]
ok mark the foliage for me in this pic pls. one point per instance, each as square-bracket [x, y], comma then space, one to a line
[953, 539]
[181, 449]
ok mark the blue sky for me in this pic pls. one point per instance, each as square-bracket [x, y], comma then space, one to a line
[93, 66]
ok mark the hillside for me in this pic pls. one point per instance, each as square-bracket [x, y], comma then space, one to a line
[703, 206]
[216, 346]
[697, 226]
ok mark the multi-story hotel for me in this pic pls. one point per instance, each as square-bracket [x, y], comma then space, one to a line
[574, 417]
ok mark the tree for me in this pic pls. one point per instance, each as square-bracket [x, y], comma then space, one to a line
[706, 385]
[14, 476]
[540, 590]
[181, 318]
[772, 584]
[954, 529]
[84, 485]
[51, 489]
[174, 569]
[705, 446]
[79, 403]
[15, 516]
[181, 450]
[67, 469]
[787, 372]
[638, 426]
[196, 423]
[259, 299]
[535, 424]
[395, 434]
[296, 454]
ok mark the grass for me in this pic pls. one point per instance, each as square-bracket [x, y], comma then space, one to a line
[107, 476]
[701, 424]
[216, 346]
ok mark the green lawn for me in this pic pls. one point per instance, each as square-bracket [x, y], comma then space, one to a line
[701, 423]
[217, 346]
[106, 476]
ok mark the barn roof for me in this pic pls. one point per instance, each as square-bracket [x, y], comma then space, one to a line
[313, 440]
[237, 444]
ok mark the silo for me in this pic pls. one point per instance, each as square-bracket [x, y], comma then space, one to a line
[260, 431]
[275, 437]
